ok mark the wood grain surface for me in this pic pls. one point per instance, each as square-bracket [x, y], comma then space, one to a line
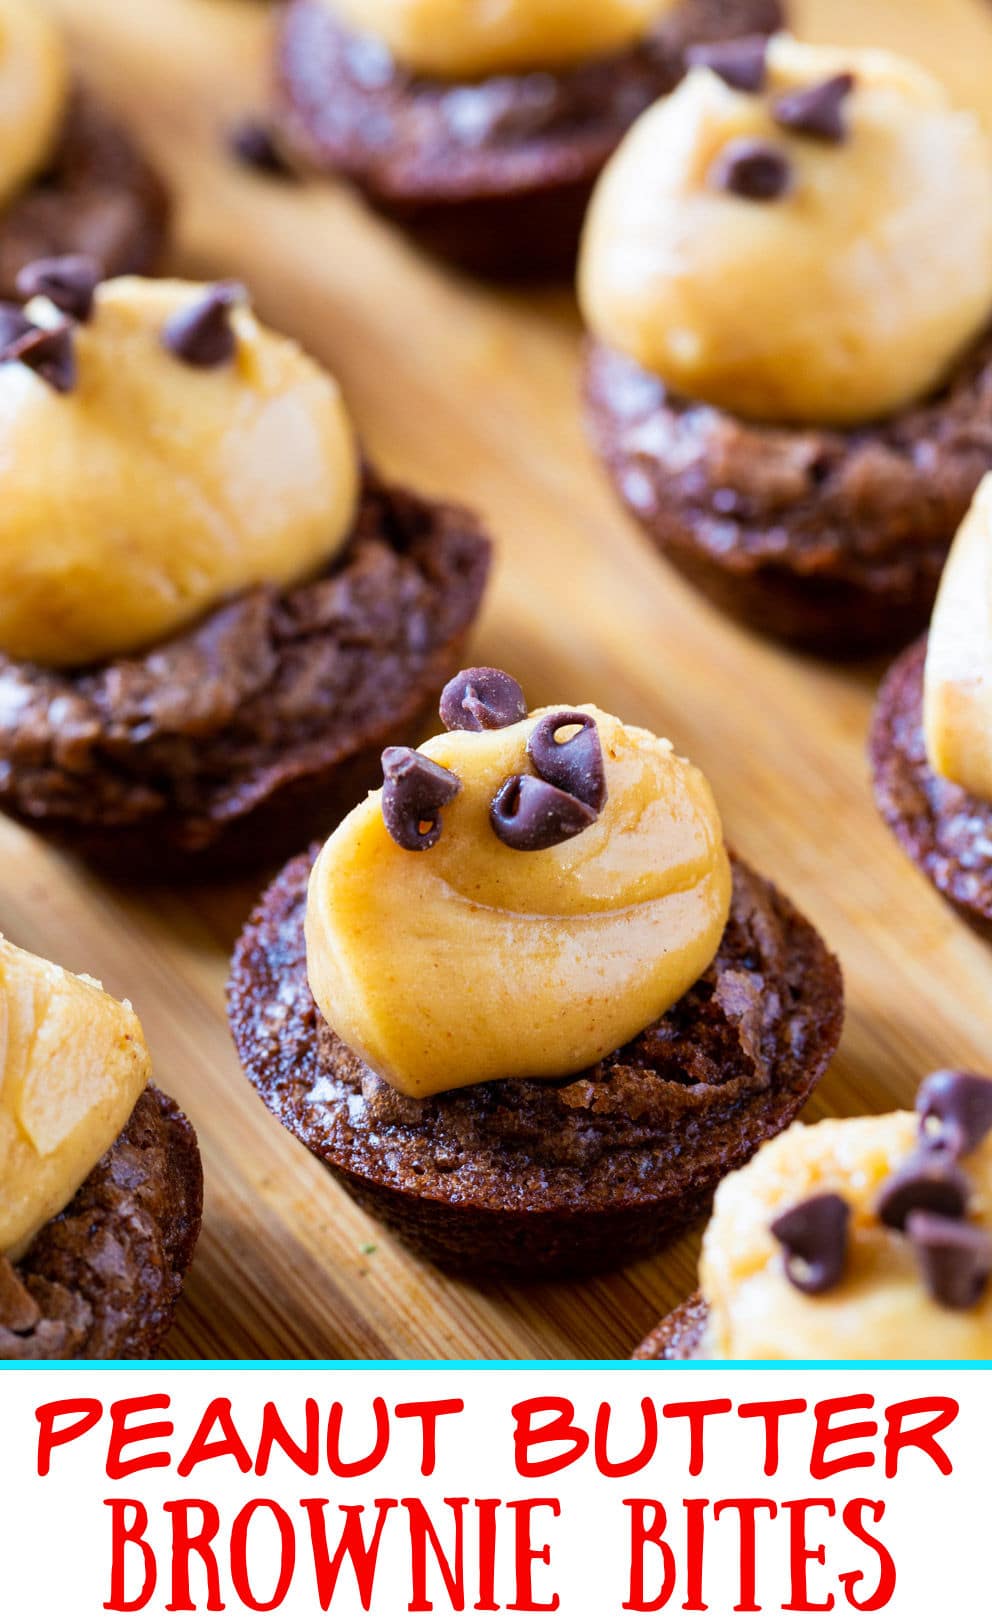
[472, 393]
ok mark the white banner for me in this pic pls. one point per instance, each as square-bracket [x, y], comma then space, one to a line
[588, 1493]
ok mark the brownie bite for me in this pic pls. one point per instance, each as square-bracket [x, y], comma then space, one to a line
[485, 142]
[71, 180]
[100, 1174]
[931, 737]
[851, 1239]
[230, 616]
[589, 1016]
[795, 403]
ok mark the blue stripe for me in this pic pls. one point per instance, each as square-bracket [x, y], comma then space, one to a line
[499, 1366]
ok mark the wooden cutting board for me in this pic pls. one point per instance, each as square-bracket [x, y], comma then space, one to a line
[472, 393]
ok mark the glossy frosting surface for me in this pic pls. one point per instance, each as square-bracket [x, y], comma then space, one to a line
[153, 488]
[844, 299]
[473, 961]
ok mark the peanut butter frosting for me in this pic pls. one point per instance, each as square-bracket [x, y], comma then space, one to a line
[957, 705]
[73, 1063]
[34, 84]
[170, 453]
[544, 911]
[809, 242]
[471, 38]
[880, 1304]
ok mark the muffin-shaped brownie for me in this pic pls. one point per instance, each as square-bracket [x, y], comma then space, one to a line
[853, 1238]
[789, 289]
[101, 1189]
[522, 1004]
[71, 181]
[931, 740]
[210, 619]
[482, 128]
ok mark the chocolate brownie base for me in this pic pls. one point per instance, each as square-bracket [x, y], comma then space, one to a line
[678, 1336]
[240, 739]
[832, 540]
[97, 196]
[539, 1178]
[495, 174]
[102, 1279]
[946, 831]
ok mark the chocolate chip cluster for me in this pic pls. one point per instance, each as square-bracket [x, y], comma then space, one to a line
[528, 813]
[68, 283]
[200, 335]
[756, 169]
[927, 1199]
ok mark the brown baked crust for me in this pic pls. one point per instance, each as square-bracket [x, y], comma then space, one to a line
[678, 1336]
[98, 195]
[496, 174]
[832, 540]
[224, 745]
[102, 1279]
[551, 1178]
[945, 830]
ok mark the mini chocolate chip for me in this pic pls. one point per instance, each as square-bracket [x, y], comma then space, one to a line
[755, 170]
[955, 1111]
[818, 110]
[738, 62]
[254, 145]
[814, 1237]
[201, 334]
[575, 765]
[68, 282]
[13, 324]
[955, 1259]
[482, 700]
[49, 351]
[929, 1181]
[528, 814]
[414, 791]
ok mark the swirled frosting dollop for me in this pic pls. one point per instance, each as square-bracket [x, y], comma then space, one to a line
[471, 38]
[33, 88]
[880, 1304]
[521, 931]
[816, 247]
[73, 1063]
[957, 707]
[162, 476]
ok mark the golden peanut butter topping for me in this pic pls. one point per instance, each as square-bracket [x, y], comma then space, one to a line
[172, 453]
[33, 87]
[460, 39]
[908, 1265]
[526, 932]
[73, 1063]
[957, 706]
[815, 249]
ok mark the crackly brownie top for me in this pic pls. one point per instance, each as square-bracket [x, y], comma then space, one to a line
[860, 1237]
[162, 451]
[262, 687]
[764, 238]
[355, 104]
[73, 1062]
[698, 1088]
[102, 1279]
[524, 894]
